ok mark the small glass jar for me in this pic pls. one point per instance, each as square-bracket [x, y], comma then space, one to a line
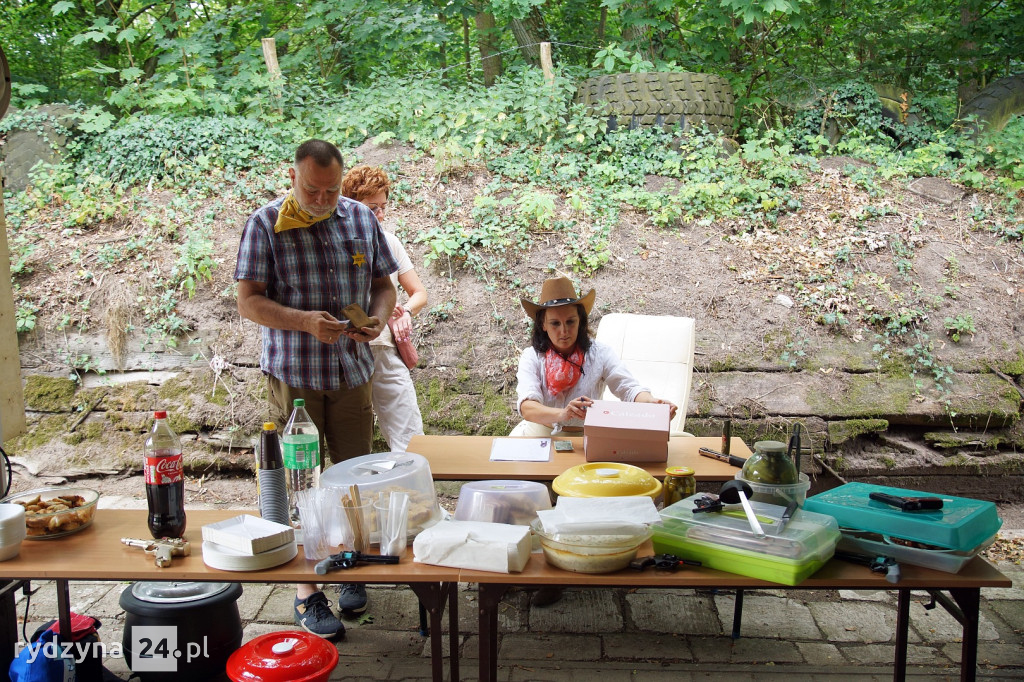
[680, 483]
[770, 464]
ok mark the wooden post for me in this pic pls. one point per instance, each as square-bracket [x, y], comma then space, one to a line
[545, 63]
[12, 399]
[273, 68]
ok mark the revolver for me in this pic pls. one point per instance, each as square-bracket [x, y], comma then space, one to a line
[662, 562]
[349, 559]
[877, 564]
[162, 549]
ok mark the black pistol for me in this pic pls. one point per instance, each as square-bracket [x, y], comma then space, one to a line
[349, 559]
[662, 562]
[908, 503]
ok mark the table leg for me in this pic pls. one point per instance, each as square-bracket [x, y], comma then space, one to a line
[64, 610]
[899, 670]
[432, 596]
[453, 630]
[737, 614]
[970, 602]
[490, 596]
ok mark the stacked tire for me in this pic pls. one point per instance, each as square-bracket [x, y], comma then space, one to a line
[992, 107]
[661, 99]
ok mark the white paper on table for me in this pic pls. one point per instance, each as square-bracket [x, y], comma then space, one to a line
[521, 450]
[497, 547]
[599, 515]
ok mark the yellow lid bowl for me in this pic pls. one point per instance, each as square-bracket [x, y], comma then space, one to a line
[606, 479]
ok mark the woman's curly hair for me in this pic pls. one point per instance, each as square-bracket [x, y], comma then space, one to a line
[365, 181]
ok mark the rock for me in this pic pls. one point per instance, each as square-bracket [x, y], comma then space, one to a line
[43, 142]
[784, 301]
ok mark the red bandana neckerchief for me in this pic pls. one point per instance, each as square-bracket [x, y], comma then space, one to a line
[561, 372]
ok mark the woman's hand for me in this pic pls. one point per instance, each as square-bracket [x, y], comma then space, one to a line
[672, 408]
[402, 321]
[576, 409]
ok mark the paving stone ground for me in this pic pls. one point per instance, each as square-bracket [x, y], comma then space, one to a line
[622, 634]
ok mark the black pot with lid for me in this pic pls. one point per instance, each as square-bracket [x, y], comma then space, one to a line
[191, 628]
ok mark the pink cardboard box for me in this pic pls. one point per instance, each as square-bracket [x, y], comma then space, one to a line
[626, 432]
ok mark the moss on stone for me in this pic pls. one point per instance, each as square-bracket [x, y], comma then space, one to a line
[49, 394]
[1014, 368]
[842, 431]
[465, 407]
[42, 432]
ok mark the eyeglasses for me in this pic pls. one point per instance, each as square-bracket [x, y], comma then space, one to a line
[378, 207]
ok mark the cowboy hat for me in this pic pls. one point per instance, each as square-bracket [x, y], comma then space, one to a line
[557, 292]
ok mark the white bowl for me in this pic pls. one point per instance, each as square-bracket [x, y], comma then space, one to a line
[9, 551]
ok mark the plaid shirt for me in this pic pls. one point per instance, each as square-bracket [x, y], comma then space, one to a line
[325, 266]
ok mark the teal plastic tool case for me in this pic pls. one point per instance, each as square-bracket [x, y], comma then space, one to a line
[724, 541]
[962, 525]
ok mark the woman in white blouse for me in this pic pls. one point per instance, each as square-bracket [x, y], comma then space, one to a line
[564, 369]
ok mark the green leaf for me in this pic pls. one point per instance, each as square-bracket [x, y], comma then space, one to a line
[61, 7]
[128, 35]
[131, 73]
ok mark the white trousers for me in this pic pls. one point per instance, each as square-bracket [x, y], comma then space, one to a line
[531, 430]
[394, 399]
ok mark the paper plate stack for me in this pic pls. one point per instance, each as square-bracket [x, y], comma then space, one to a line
[247, 543]
[12, 530]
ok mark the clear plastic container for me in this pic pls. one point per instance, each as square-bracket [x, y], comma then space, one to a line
[590, 552]
[778, 493]
[380, 474]
[724, 541]
[946, 560]
[513, 502]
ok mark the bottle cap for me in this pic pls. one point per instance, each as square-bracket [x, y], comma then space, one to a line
[269, 426]
[299, 402]
[679, 471]
[160, 414]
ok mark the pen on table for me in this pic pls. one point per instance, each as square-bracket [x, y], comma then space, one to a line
[715, 454]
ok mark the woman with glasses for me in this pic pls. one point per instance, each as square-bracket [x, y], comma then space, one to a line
[394, 394]
[564, 369]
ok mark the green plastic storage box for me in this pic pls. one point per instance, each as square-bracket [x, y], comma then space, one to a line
[723, 540]
[962, 524]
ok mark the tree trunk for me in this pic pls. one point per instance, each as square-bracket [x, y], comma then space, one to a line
[466, 51]
[443, 48]
[530, 32]
[487, 39]
[971, 79]
[639, 37]
[601, 26]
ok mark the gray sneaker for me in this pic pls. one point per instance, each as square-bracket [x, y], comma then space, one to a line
[314, 614]
[352, 598]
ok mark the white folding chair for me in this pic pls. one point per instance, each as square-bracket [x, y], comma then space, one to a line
[658, 351]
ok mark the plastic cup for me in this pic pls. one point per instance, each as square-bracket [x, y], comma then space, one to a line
[357, 525]
[393, 528]
[315, 542]
[335, 519]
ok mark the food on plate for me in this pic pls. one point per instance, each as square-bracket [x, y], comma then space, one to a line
[59, 514]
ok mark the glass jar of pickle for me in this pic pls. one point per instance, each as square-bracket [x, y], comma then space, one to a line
[679, 484]
[770, 464]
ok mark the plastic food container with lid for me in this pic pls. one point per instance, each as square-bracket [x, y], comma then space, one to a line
[285, 656]
[778, 493]
[606, 479]
[514, 502]
[380, 474]
[724, 541]
[962, 524]
[590, 552]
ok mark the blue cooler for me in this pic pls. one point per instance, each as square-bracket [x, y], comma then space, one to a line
[962, 525]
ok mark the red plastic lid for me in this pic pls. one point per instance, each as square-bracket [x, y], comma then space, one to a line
[160, 414]
[285, 656]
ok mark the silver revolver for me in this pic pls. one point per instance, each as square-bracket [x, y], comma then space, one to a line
[162, 550]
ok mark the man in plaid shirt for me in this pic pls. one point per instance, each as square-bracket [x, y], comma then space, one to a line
[301, 259]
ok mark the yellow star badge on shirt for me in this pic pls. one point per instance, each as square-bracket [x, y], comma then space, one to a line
[359, 259]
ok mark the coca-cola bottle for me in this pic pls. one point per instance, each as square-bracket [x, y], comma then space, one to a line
[165, 480]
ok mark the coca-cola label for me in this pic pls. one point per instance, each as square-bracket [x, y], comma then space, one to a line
[164, 470]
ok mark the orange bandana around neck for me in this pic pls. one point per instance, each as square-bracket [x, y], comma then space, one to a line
[290, 215]
[562, 372]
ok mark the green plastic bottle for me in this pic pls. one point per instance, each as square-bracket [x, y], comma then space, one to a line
[770, 464]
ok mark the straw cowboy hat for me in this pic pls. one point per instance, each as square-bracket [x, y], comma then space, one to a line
[557, 292]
